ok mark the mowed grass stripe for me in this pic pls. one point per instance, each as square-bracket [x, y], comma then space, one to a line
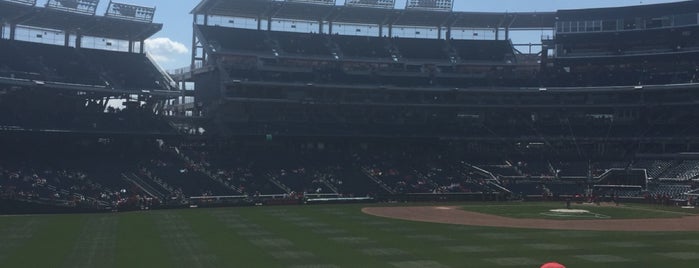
[186, 248]
[14, 233]
[139, 243]
[96, 244]
[416, 250]
[407, 238]
[325, 251]
[223, 240]
[51, 241]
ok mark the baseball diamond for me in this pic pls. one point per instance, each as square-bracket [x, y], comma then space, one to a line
[349, 133]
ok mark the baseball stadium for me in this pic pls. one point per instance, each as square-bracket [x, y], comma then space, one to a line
[352, 133]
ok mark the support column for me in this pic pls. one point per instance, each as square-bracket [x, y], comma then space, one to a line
[390, 31]
[439, 32]
[259, 23]
[13, 30]
[141, 48]
[183, 88]
[78, 40]
[130, 46]
[507, 33]
[66, 39]
[194, 43]
[380, 30]
[320, 26]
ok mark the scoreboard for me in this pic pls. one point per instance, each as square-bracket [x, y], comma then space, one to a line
[130, 12]
[77, 6]
[372, 3]
[444, 5]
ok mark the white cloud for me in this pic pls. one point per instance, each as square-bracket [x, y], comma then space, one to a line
[165, 50]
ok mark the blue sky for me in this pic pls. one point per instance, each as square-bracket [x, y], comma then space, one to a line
[172, 44]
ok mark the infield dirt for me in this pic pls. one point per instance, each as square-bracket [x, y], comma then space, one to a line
[454, 215]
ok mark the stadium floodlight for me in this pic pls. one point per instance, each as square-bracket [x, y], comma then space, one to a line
[372, 3]
[320, 2]
[24, 2]
[78, 6]
[441, 5]
[130, 12]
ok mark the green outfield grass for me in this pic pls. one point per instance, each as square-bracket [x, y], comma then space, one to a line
[321, 236]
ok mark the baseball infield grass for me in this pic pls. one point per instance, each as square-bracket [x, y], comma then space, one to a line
[328, 236]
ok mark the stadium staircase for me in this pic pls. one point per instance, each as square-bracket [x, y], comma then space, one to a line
[93, 200]
[158, 181]
[491, 180]
[202, 169]
[144, 186]
[171, 82]
[693, 194]
[278, 183]
[429, 181]
[329, 185]
[517, 169]
[668, 169]
[378, 181]
[684, 171]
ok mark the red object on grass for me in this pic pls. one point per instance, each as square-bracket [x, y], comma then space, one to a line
[552, 265]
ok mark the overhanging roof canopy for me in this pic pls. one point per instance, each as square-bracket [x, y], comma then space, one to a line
[303, 11]
[25, 2]
[245, 8]
[654, 10]
[365, 15]
[88, 25]
[369, 15]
